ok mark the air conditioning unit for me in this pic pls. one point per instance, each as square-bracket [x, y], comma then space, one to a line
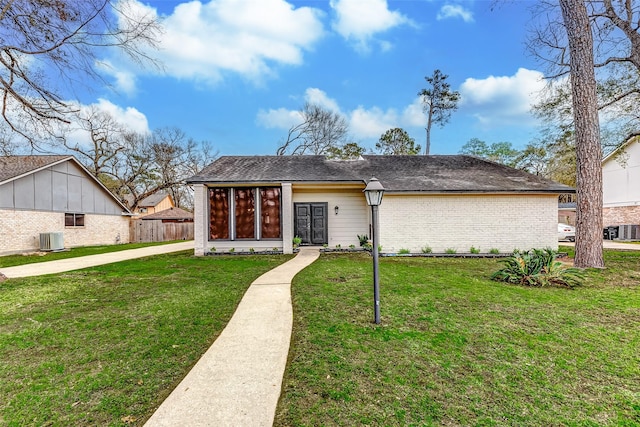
[51, 241]
[629, 232]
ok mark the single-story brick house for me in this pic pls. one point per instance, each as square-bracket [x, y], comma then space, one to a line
[53, 194]
[444, 202]
[620, 185]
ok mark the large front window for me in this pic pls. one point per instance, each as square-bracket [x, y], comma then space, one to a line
[254, 213]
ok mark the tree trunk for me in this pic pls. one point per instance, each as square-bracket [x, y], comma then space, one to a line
[427, 146]
[587, 128]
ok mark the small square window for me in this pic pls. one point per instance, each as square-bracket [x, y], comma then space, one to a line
[73, 220]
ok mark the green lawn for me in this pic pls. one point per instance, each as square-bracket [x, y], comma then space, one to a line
[19, 259]
[455, 348]
[106, 345]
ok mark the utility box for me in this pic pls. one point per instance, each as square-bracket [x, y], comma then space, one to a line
[52, 241]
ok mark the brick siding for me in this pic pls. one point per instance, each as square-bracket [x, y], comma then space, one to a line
[621, 215]
[458, 222]
[20, 230]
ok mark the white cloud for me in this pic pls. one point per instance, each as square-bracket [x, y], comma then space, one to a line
[373, 122]
[503, 99]
[455, 11]
[359, 21]
[125, 81]
[205, 41]
[129, 117]
[319, 97]
[364, 123]
[280, 118]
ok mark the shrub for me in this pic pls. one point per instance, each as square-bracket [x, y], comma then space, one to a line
[213, 248]
[474, 250]
[232, 250]
[426, 249]
[537, 267]
[494, 251]
[296, 241]
[404, 251]
[450, 251]
[251, 250]
[338, 246]
[364, 239]
[352, 246]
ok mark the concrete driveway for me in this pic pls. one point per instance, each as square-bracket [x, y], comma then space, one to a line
[611, 244]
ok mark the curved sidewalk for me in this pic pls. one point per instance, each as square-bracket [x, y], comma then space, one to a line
[68, 264]
[237, 381]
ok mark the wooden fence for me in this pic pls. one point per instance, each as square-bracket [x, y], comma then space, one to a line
[158, 231]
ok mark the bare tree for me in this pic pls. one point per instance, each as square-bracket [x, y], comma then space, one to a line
[105, 135]
[47, 44]
[588, 153]
[439, 102]
[319, 131]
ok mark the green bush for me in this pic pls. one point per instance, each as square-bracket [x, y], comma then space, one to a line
[296, 241]
[494, 251]
[474, 250]
[426, 249]
[404, 251]
[537, 267]
[450, 251]
[364, 239]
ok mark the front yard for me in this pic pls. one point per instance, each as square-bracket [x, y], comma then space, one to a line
[455, 348]
[105, 346]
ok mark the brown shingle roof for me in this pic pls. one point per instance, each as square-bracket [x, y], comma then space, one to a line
[171, 213]
[149, 201]
[436, 174]
[15, 166]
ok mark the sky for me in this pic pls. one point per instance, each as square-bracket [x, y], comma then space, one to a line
[236, 72]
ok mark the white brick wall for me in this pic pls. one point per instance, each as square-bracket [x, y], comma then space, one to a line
[20, 230]
[460, 221]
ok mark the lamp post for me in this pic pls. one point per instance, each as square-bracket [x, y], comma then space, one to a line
[373, 192]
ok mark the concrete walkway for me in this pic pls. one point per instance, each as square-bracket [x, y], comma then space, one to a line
[62, 265]
[611, 244]
[237, 382]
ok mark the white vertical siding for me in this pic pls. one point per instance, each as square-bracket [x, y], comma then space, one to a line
[620, 178]
[352, 218]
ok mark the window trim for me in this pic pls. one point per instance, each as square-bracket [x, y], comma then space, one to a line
[77, 217]
[232, 214]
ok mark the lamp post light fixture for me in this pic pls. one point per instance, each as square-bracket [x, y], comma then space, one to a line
[373, 193]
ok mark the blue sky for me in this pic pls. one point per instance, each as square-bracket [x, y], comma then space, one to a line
[236, 71]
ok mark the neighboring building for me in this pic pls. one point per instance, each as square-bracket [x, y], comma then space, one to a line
[156, 202]
[567, 213]
[170, 215]
[444, 202]
[621, 185]
[45, 194]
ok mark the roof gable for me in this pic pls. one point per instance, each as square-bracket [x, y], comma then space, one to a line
[15, 167]
[440, 173]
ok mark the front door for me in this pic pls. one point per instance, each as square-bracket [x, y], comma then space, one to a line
[311, 223]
